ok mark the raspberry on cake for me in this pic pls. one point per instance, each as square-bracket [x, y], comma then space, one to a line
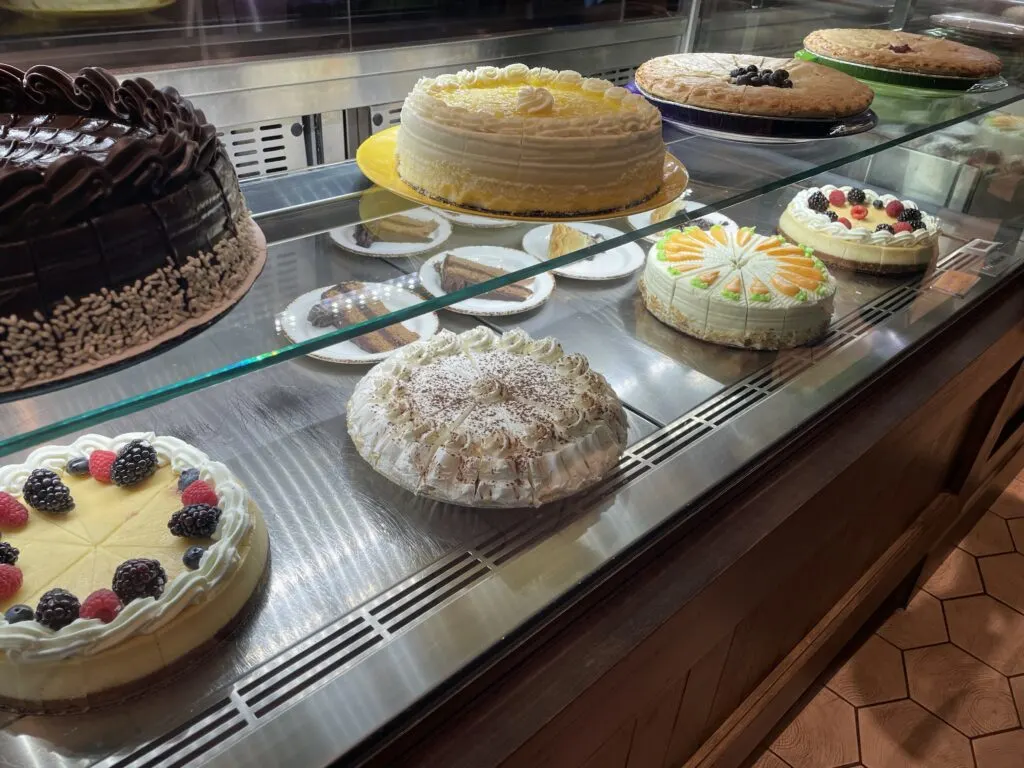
[122, 226]
[102, 598]
[880, 233]
[520, 140]
[738, 288]
[487, 421]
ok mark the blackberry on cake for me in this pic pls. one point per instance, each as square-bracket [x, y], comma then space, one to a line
[885, 228]
[8, 553]
[44, 491]
[856, 196]
[134, 463]
[137, 578]
[817, 202]
[195, 521]
[57, 608]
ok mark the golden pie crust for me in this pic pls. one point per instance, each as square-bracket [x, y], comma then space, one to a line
[702, 80]
[927, 55]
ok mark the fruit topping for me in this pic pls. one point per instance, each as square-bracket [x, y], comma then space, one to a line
[78, 466]
[8, 554]
[884, 228]
[134, 463]
[194, 521]
[832, 215]
[894, 208]
[918, 224]
[857, 196]
[57, 608]
[192, 557]
[103, 604]
[19, 613]
[12, 512]
[200, 492]
[100, 464]
[187, 477]
[909, 214]
[902, 48]
[10, 581]
[138, 578]
[845, 222]
[877, 203]
[837, 197]
[859, 212]
[750, 75]
[903, 226]
[817, 202]
[44, 491]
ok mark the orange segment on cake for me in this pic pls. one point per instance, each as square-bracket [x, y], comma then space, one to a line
[861, 229]
[738, 288]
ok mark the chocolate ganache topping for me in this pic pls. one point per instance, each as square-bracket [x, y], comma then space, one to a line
[75, 146]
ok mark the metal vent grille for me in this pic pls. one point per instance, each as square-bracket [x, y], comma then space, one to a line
[619, 76]
[383, 116]
[259, 149]
[343, 643]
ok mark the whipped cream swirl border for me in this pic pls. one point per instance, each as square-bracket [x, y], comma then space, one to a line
[29, 641]
[811, 219]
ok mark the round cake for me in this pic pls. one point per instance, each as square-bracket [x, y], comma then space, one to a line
[1004, 134]
[904, 51]
[120, 559]
[530, 141]
[738, 288]
[484, 420]
[862, 230]
[121, 222]
[792, 88]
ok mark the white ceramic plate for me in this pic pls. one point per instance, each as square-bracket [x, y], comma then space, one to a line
[508, 259]
[476, 222]
[640, 220]
[346, 237]
[612, 264]
[297, 328]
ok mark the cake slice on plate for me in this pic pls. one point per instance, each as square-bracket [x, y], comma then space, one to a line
[328, 313]
[457, 273]
[565, 239]
[395, 229]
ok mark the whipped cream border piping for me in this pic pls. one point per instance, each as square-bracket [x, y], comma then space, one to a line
[29, 641]
[800, 211]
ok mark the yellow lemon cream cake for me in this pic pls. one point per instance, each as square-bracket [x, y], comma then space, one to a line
[738, 288]
[530, 141]
[120, 557]
[861, 229]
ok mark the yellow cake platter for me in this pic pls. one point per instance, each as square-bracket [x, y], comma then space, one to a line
[71, 9]
[377, 160]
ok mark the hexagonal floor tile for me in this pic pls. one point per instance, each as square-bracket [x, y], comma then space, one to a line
[872, 675]
[822, 735]
[989, 631]
[989, 536]
[1016, 527]
[1003, 750]
[1017, 687]
[1004, 578]
[968, 695]
[920, 623]
[1011, 503]
[769, 760]
[901, 734]
[956, 576]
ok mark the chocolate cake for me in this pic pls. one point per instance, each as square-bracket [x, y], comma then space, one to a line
[456, 273]
[121, 222]
[341, 315]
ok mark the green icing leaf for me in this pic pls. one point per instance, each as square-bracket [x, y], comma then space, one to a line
[765, 297]
[697, 282]
[823, 289]
[673, 271]
[802, 296]
[732, 295]
[661, 256]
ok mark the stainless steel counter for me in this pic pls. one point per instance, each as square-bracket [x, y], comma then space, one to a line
[378, 602]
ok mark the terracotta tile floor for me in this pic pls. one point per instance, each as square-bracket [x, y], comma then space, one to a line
[941, 683]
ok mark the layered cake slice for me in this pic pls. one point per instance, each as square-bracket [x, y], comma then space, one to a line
[359, 308]
[566, 239]
[457, 273]
[395, 229]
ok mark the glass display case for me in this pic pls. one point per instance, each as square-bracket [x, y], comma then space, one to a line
[386, 614]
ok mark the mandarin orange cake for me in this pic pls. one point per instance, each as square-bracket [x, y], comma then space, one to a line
[738, 288]
[530, 141]
[861, 229]
[120, 558]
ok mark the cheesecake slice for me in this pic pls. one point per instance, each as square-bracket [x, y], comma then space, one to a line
[395, 229]
[457, 273]
[565, 239]
[342, 314]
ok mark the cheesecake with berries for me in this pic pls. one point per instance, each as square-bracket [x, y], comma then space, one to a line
[120, 559]
[738, 288]
[861, 229]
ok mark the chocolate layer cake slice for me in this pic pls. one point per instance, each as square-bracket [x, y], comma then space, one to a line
[457, 273]
[342, 314]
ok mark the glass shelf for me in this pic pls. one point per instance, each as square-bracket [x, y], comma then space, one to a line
[299, 210]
